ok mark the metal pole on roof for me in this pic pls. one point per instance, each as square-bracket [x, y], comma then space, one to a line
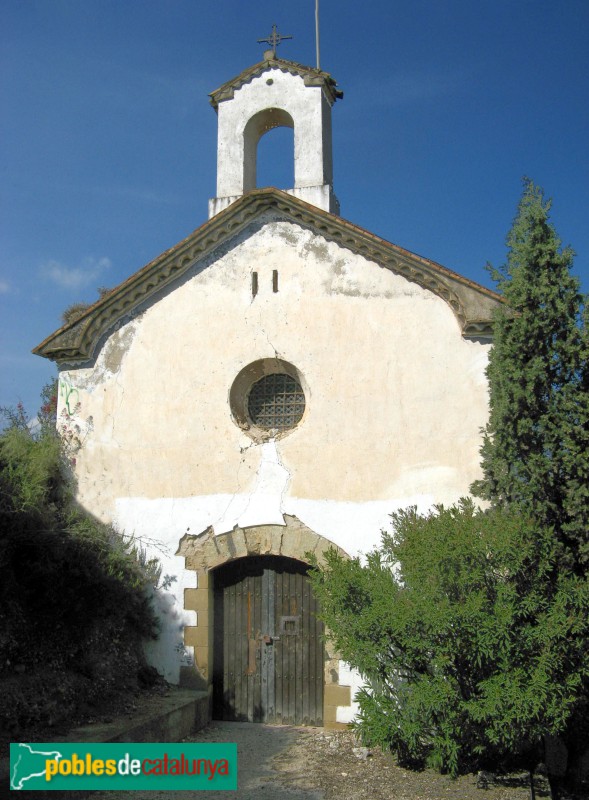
[317, 30]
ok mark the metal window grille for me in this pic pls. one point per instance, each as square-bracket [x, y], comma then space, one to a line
[276, 402]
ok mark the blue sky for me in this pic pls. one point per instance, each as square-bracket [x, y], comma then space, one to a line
[108, 143]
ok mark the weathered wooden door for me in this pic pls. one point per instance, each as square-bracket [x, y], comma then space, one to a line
[268, 650]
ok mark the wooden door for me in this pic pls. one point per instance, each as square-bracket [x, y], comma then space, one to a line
[268, 650]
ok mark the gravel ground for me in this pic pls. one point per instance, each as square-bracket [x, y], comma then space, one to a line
[285, 763]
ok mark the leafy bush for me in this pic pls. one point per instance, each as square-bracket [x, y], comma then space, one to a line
[467, 659]
[73, 598]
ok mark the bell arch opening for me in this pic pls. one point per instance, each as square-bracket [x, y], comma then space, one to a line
[255, 128]
[275, 161]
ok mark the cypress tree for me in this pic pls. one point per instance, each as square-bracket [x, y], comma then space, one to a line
[535, 453]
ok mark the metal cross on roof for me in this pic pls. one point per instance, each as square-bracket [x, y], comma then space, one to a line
[274, 40]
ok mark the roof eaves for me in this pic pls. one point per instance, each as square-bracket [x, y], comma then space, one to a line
[79, 339]
[311, 76]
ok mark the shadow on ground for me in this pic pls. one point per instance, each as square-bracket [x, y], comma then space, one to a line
[257, 746]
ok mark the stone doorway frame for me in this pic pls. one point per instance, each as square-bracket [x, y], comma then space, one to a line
[205, 552]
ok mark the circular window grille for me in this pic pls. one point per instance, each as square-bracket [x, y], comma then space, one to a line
[276, 402]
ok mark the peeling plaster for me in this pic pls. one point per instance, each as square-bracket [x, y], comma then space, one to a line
[117, 346]
[288, 233]
[317, 247]
[108, 362]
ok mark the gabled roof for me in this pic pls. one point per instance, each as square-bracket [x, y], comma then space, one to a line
[77, 341]
[311, 76]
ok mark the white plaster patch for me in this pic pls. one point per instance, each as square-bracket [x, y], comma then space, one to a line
[346, 674]
[355, 527]
[263, 505]
[348, 677]
[149, 523]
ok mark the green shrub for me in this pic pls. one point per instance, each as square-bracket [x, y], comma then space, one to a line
[470, 653]
[73, 599]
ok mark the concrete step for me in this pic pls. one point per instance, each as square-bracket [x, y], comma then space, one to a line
[175, 717]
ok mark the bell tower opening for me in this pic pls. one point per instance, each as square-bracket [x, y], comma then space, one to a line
[275, 165]
[269, 150]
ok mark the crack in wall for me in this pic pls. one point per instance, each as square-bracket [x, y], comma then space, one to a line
[286, 483]
[277, 354]
[264, 503]
[223, 520]
[248, 447]
[120, 404]
[220, 525]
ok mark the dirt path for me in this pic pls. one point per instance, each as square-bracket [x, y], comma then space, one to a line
[282, 763]
[258, 746]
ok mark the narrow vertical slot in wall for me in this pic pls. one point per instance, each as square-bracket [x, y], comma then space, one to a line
[274, 280]
[254, 284]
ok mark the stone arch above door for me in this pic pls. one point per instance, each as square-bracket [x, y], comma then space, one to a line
[293, 540]
[206, 551]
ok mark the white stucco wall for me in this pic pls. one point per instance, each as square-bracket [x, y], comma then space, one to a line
[395, 399]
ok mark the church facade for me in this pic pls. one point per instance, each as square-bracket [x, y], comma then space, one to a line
[275, 384]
